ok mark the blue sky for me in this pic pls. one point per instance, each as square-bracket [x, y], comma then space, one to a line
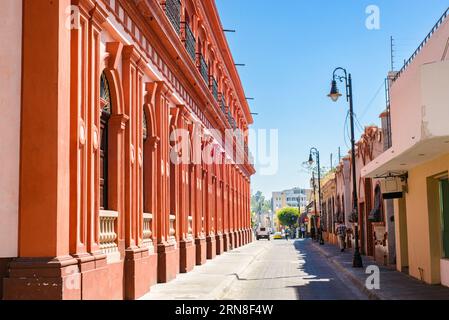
[290, 49]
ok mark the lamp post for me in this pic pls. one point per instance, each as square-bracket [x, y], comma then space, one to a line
[335, 95]
[314, 207]
[316, 153]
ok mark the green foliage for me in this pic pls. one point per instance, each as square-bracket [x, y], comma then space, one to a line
[288, 217]
[259, 204]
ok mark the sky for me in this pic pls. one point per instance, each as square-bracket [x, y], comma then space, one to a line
[291, 48]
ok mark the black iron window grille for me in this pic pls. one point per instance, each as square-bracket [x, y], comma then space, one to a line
[214, 87]
[223, 105]
[190, 41]
[204, 68]
[173, 12]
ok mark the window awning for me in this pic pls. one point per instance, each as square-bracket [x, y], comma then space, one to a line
[400, 161]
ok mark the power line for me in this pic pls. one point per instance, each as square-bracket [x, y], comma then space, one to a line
[365, 110]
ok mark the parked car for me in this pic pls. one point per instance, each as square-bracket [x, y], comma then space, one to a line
[278, 235]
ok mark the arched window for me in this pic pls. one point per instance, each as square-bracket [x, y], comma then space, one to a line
[145, 138]
[106, 110]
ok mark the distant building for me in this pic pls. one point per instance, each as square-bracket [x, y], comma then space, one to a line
[296, 198]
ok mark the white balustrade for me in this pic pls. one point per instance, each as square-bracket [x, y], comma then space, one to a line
[147, 232]
[108, 234]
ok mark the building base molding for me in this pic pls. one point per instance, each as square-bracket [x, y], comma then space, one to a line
[140, 272]
[200, 249]
[168, 262]
[239, 240]
[244, 237]
[4, 267]
[211, 247]
[226, 244]
[100, 280]
[219, 244]
[43, 279]
[232, 240]
[251, 237]
[187, 255]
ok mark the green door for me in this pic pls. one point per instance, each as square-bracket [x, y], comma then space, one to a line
[444, 205]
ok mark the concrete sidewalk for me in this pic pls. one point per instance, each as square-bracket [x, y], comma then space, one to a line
[394, 285]
[210, 281]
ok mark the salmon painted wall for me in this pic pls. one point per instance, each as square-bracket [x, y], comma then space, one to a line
[407, 92]
[10, 84]
[423, 220]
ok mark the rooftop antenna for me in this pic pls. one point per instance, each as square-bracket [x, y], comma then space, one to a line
[392, 52]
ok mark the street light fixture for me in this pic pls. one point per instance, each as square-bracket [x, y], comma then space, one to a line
[316, 153]
[335, 95]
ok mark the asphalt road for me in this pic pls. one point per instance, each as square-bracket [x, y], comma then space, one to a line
[291, 270]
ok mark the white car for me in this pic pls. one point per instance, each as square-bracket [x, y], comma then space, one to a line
[262, 233]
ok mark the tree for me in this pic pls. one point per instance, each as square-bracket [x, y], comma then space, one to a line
[259, 204]
[288, 217]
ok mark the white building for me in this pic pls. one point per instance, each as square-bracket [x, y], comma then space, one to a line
[296, 198]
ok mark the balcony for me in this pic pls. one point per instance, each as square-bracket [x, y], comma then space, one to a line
[214, 87]
[232, 121]
[173, 12]
[203, 67]
[223, 105]
[189, 41]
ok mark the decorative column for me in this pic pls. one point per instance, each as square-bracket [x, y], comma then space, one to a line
[209, 207]
[218, 192]
[225, 215]
[150, 195]
[197, 183]
[44, 269]
[167, 249]
[184, 218]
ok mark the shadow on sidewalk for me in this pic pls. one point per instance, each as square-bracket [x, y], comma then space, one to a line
[394, 285]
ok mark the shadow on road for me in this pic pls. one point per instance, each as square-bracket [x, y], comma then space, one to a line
[322, 281]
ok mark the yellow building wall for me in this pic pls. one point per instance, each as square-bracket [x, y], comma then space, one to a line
[423, 220]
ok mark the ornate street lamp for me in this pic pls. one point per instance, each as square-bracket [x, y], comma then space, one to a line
[316, 153]
[335, 95]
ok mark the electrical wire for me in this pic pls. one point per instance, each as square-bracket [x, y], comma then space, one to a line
[365, 110]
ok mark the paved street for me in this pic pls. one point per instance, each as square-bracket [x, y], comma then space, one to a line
[291, 270]
[263, 270]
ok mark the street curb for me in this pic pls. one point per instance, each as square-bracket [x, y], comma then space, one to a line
[354, 279]
[221, 290]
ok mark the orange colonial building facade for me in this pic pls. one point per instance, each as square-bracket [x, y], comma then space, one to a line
[115, 108]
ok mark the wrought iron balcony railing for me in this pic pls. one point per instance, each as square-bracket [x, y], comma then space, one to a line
[190, 41]
[173, 12]
[231, 120]
[214, 87]
[204, 68]
[223, 105]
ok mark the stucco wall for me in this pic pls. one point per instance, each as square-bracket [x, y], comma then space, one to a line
[10, 92]
[407, 96]
[423, 220]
